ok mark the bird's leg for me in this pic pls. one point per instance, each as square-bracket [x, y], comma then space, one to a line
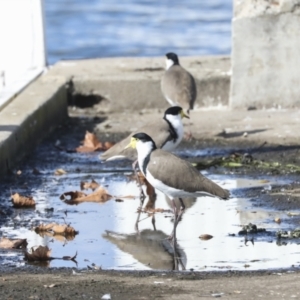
[142, 195]
[153, 222]
[182, 208]
[177, 218]
[173, 234]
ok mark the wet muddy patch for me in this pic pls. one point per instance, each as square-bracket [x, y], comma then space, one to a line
[107, 237]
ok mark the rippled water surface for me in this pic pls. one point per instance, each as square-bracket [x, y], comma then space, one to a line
[87, 29]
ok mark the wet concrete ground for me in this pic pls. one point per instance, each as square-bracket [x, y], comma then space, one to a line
[107, 238]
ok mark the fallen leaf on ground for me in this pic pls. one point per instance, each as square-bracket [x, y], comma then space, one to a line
[60, 172]
[99, 196]
[93, 185]
[91, 144]
[205, 237]
[60, 229]
[21, 201]
[7, 243]
[39, 254]
[277, 220]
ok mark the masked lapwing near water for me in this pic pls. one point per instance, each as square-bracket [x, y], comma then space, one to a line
[167, 132]
[171, 175]
[178, 85]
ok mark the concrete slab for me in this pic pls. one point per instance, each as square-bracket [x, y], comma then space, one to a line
[134, 83]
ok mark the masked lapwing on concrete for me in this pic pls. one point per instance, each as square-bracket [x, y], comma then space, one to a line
[171, 175]
[167, 132]
[177, 84]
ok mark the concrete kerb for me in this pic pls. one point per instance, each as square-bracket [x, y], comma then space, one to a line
[29, 118]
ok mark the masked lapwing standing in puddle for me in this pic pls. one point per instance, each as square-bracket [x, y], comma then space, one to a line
[178, 85]
[167, 132]
[172, 176]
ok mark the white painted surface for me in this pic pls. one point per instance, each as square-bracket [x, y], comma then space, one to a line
[22, 51]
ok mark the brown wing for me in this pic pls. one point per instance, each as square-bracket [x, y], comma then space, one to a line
[175, 172]
[179, 86]
[158, 130]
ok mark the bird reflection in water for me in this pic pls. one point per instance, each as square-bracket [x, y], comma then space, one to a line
[151, 248]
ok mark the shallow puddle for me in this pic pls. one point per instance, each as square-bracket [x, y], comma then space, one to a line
[107, 237]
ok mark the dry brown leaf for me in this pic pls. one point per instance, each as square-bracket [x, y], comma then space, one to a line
[56, 229]
[100, 196]
[21, 201]
[205, 237]
[93, 185]
[60, 172]
[40, 254]
[43, 227]
[91, 144]
[7, 243]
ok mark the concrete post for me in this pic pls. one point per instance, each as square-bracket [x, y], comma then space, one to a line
[265, 54]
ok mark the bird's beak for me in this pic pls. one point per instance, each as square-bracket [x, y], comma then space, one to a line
[132, 144]
[184, 115]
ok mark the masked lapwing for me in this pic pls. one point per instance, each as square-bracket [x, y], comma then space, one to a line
[178, 85]
[171, 175]
[168, 132]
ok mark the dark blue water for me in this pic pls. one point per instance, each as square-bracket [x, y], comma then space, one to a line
[77, 29]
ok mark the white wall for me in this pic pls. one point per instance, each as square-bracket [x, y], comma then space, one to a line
[22, 47]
